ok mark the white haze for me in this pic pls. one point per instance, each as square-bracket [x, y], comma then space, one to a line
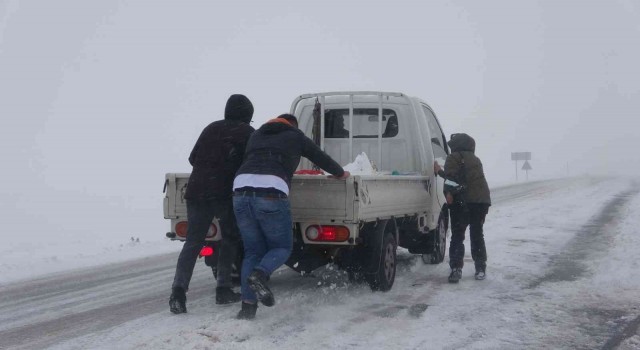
[98, 99]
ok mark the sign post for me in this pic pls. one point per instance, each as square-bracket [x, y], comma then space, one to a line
[516, 156]
[526, 167]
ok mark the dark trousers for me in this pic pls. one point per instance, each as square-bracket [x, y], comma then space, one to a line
[200, 214]
[472, 215]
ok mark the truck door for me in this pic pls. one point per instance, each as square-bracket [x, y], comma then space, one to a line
[439, 149]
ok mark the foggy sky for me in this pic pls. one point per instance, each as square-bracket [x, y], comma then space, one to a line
[99, 99]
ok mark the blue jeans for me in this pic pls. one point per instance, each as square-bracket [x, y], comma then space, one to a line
[266, 228]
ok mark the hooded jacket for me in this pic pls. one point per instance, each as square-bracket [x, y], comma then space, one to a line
[275, 149]
[218, 152]
[463, 167]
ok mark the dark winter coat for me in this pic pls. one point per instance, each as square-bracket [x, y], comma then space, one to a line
[275, 149]
[217, 154]
[463, 167]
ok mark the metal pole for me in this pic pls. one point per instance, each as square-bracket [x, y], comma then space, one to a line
[351, 128]
[322, 101]
[380, 134]
[516, 170]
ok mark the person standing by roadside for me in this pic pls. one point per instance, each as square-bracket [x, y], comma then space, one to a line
[261, 203]
[215, 158]
[468, 199]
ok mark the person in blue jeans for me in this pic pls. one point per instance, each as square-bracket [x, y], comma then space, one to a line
[261, 204]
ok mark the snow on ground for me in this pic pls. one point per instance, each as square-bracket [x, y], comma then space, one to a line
[20, 260]
[551, 284]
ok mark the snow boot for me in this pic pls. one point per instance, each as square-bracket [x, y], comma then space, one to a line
[226, 295]
[456, 275]
[248, 311]
[480, 273]
[178, 301]
[258, 283]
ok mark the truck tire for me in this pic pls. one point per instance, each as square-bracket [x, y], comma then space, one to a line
[236, 267]
[439, 240]
[382, 280]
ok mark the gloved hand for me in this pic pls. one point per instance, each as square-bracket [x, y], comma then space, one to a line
[436, 167]
[344, 176]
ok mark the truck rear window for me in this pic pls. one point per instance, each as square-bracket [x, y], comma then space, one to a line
[365, 123]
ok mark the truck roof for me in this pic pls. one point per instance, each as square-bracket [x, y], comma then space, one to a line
[343, 97]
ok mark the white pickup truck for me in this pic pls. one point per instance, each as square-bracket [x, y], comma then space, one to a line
[358, 223]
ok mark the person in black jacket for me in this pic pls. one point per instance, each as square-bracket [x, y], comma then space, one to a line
[215, 158]
[468, 199]
[261, 204]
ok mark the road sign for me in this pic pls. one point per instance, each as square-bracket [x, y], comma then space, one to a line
[520, 155]
[526, 166]
[516, 156]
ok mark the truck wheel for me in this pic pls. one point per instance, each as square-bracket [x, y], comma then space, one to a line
[382, 280]
[439, 240]
[236, 267]
[236, 272]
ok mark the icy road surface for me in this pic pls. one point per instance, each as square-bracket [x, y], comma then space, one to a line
[563, 273]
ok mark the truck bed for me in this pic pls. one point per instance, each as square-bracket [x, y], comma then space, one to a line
[359, 198]
[320, 199]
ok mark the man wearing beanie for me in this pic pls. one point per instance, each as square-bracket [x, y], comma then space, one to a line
[215, 158]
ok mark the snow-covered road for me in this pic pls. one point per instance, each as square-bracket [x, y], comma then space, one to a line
[563, 273]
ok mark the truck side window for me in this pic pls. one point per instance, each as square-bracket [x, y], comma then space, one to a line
[391, 129]
[435, 133]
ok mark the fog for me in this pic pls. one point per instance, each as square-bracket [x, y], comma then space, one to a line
[98, 100]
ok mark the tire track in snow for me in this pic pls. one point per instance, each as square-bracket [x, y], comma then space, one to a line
[592, 241]
[627, 332]
[59, 308]
[109, 296]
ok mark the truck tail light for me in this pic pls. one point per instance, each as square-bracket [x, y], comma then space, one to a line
[181, 229]
[327, 233]
[182, 226]
[206, 251]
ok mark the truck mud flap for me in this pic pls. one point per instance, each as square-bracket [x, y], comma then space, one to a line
[305, 258]
[421, 243]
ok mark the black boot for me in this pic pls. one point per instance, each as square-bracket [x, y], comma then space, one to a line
[226, 295]
[178, 301]
[481, 272]
[258, 283]
[248, 311]
[456, 275]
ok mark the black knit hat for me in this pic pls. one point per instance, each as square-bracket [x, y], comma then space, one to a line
[238, 108]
